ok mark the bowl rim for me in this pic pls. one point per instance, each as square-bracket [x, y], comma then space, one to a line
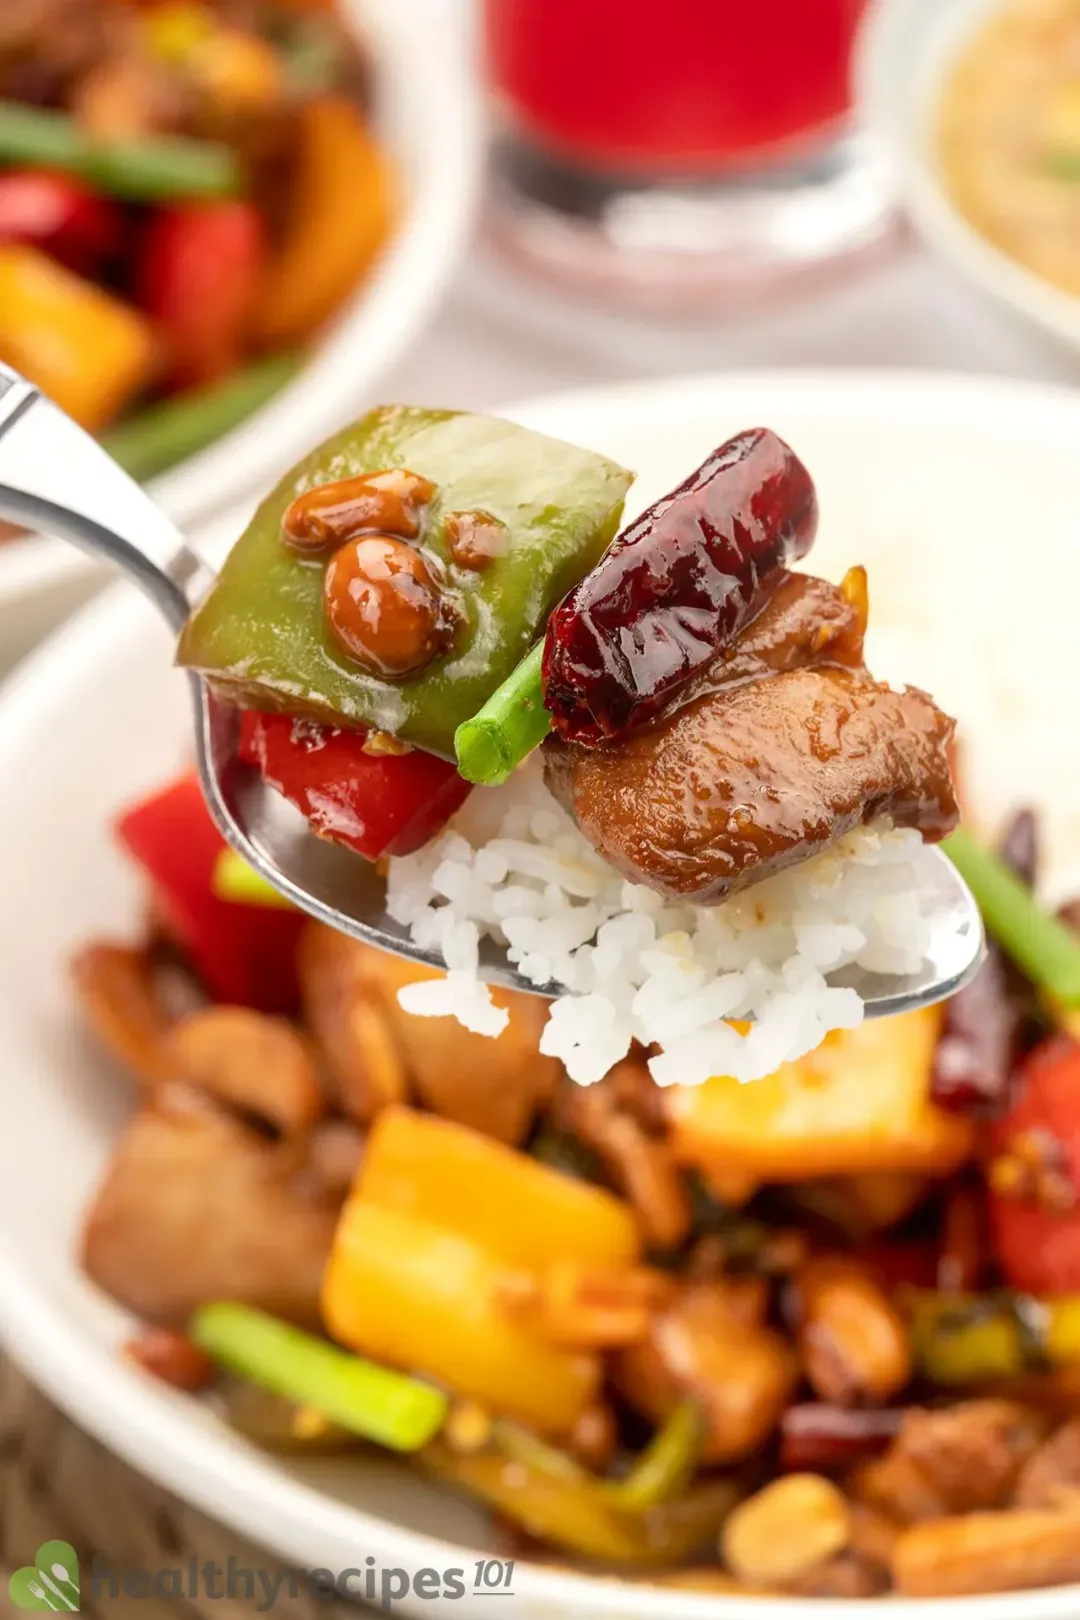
[157, 1436]
[423, 57]
[902, 51]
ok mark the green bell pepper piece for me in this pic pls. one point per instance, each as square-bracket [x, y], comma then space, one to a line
[260, 634]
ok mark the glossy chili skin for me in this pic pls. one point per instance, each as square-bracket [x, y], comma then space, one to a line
[262, 637]
[675, 588]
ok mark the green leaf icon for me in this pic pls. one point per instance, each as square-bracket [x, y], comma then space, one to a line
[51, 1582]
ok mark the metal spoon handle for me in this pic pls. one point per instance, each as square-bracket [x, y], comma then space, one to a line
[56, 479]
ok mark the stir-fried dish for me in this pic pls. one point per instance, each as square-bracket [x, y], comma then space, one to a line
[817, 1335]
[432, 598]
[189, 190]
[1009, 135]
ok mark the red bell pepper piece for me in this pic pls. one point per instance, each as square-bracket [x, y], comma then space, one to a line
[245, 955]
[199, 269]
[376, 804]
[60, 215]
[1035, 1179]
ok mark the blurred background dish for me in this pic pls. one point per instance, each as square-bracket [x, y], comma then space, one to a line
[907, 468]
[323, 205]
[978, 105]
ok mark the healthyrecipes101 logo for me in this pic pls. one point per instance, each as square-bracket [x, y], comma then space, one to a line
[50, 1582]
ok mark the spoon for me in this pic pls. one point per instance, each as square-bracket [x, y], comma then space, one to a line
[62, 1575]
[56, 479]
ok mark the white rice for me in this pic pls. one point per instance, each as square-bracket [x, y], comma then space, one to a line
[514, 867]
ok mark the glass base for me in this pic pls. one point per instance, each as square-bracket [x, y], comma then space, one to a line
[683, 246]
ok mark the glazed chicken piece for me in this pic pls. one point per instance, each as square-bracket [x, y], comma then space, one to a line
[792, 745]
[197, 1206]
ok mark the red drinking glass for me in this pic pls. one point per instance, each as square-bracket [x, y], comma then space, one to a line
[675, 149]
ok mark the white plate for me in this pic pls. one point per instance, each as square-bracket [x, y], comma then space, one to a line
[428, 114]
[906, 49]
[959, 494]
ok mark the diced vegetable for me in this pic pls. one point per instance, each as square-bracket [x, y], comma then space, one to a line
[376, 1402]
[61, 216]
[146, 170]
[577, 1517]
[375, 804]
[1048, 952]
[1034, 1181]
[962, 1339]
[1063, 165]
[438, 1223]
[342, 213]
[667, 1464]
[522, 1445]
[239, 72]
[166, 433]
[236, 881]
[408, 1292]
[79, 344]
[198, 270]
[821, 1116]
[262, 632]
[520, 1211]
[245, 954]
[510, 725]
[173, 29]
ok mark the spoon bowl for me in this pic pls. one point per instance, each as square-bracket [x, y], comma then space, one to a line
[102, 510]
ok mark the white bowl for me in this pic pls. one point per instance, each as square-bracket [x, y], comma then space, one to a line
[905, 51]
[959, 494]
[428, 114]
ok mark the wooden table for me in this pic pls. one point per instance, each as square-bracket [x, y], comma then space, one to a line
[57, 1483]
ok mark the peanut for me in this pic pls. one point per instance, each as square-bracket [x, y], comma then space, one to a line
[786, 1530]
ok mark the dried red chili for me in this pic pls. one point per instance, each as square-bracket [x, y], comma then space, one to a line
[675, 587]
[984, 1022]
[822, 1438]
